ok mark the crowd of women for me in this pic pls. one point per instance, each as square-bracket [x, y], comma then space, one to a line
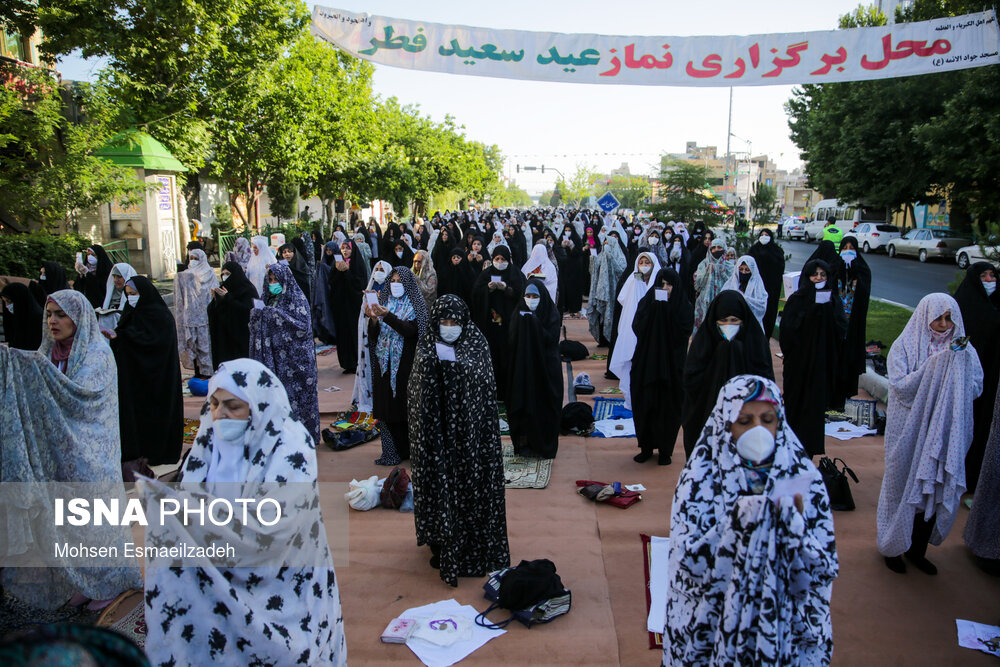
[440, 320]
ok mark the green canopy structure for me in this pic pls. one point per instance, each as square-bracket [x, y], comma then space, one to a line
[134, 148]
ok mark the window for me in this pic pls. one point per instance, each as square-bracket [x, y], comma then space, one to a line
[13, 46]
[924, 235]
[872, 213]
[911, 235]
[887, 228]
[862, 229]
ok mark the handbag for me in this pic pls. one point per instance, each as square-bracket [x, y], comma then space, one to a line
[532, 591]
[837, 486]
[394, 489]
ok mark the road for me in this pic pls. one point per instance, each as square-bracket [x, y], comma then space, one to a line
[900, 279]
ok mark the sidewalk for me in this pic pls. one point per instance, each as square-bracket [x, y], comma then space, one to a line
[879, 618]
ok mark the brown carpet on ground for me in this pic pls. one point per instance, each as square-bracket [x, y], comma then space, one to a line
[879, 618]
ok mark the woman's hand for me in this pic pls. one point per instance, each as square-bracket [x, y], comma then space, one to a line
[378, 310]
[220, 291]
[110, 335]
[341, 266]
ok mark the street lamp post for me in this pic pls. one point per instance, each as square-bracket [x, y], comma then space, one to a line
[749, 162]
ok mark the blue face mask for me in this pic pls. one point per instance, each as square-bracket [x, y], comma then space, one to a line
[274, 288]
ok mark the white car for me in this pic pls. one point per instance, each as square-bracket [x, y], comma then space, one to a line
[874, 235]
[813, 230]
[971, 254]
[795, 230]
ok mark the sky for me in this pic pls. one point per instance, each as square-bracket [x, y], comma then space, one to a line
[564, 125]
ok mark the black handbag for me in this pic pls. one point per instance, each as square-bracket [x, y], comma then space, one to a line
[837, 486]
[532, 592]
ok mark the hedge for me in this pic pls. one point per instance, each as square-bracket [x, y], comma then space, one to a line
[22, 254]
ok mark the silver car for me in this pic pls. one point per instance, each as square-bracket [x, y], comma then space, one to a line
[927, 244]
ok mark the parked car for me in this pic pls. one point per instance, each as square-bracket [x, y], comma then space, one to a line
[971, 254]
[874, 235]
[846, 216]
[927, 244]
[785, 222]
[795, 230]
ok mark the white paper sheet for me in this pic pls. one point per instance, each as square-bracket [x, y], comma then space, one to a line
[847, 430]
[790, 487]
[445, 352]
[662, 295]
[444, 656]
[660, 549]
[975, 635]
[823, 296]
[371, 298]
[607, 427]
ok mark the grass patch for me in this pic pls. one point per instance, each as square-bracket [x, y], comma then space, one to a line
[885, 322]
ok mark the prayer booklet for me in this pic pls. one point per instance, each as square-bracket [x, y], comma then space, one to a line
[495, 279]
[445, 352]
[399, 630]
[662, 295]
[338, 258]
[593, 251]
[371, 298]
[791, 486]
[823, 297]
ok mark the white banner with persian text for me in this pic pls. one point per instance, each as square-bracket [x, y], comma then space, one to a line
[903, 49]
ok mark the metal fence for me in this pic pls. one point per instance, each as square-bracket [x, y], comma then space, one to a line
[117, 251]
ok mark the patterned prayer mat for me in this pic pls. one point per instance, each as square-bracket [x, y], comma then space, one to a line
[610, 390]
[133, 624]
[190, 430]
[521, 472]
[598, 357]
[604, 406]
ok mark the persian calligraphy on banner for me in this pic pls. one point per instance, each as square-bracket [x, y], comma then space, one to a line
[903, 49]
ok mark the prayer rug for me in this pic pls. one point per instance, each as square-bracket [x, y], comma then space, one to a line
[610, 390]
[655, 638]
[190, 430]
[521, 472]
[598, 357]
[133, 624]
[604, 407]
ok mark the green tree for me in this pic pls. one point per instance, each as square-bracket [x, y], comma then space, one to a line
[168, 58]
[682, 184]
[891, 142]
[48, 171]
[578, 187]
[512, 195]
[283, 194]
[277, 121]
[763, 203]
[631, 190]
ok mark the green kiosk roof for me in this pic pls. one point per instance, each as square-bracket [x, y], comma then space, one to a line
[134, 148]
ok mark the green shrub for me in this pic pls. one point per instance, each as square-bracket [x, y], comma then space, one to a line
[22, 254]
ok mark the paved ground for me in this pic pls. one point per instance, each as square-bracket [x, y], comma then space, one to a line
[900, 279]
[880, 618]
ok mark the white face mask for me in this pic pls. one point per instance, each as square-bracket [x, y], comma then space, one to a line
[41, 277]
[92, 260]
[500, 266]
[225, 277]
[132, 299]
[397, 289]
[756, 445]
[729, 331]
[821, 284]
[653, 240]
[765, 239]
[399, 253]
[231, 430]
[450, 334]
[195, 262]
[379, 277]
[10, 308]
[989, 287]
[645, 268]
[531, 302]
[848, 256]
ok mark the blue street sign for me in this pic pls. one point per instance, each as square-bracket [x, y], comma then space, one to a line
[608, 202]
